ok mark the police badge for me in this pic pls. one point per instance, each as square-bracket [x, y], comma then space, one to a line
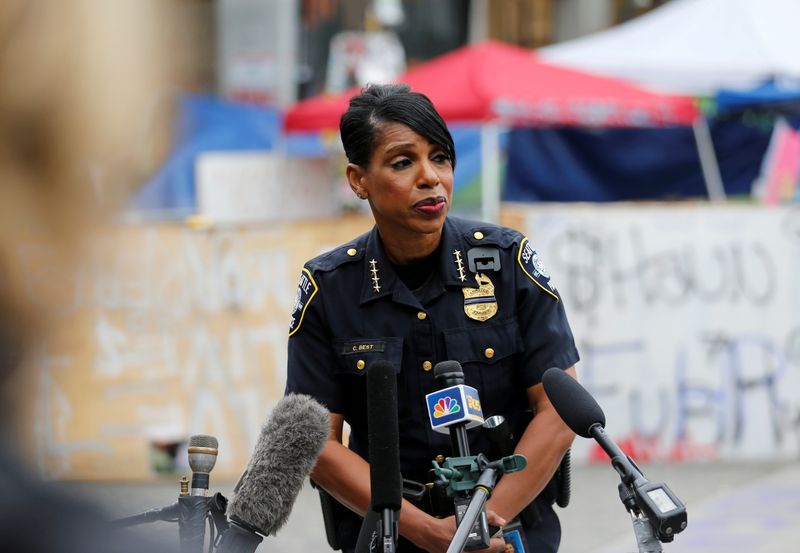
[480, 304]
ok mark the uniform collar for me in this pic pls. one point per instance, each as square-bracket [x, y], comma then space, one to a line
[380, 279]
[453, 264]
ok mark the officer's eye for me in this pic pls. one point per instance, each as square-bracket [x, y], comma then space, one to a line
[401, 163]
[441, 157]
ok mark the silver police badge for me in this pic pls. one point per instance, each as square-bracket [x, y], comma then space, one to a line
[480, 303]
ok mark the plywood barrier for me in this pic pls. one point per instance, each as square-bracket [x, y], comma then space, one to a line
[164, 332]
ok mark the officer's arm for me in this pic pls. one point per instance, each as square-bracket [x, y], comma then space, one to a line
[543, 443]
[345, 476]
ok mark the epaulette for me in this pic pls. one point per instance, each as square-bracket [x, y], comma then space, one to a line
[477, 233]
[346, 253]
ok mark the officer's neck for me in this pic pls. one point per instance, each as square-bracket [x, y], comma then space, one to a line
[405, 248]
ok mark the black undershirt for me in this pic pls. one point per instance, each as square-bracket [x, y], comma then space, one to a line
[416, 274]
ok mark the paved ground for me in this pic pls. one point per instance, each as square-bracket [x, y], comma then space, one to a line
[733, 508]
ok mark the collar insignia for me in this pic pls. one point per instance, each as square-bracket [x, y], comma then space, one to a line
[374, 270]
[459, 265]
[480, 304]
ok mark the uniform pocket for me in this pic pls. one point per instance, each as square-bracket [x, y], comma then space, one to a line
[487, 354]
[356, 355]
[489, 343]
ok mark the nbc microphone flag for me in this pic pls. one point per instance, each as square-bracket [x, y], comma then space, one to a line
[454, 405]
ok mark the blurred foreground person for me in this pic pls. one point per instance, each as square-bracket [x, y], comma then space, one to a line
[77, 79]
[409, 293]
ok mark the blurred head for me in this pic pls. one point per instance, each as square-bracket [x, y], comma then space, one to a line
[401, 159]
[79, 82]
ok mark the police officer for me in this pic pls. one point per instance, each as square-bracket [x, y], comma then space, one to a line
[419, 288]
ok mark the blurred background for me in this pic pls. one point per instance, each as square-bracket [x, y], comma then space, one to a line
[648, 148]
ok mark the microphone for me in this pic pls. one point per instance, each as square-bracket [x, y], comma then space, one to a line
[455, 409]
[386, 482]
[193, 508]
[202, 458]
[284, 454]
[581, 413]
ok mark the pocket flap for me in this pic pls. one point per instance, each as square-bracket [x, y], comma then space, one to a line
[358, 354]
[488, 343]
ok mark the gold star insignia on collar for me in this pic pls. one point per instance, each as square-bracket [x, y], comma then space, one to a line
[375, 279]
[459, 265]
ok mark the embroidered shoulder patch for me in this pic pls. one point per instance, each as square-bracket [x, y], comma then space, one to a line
[306, 290]
[532, 265]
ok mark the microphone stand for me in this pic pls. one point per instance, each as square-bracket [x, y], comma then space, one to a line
[388, 530]
[646, 539]
[481, 492]
[193, 510]
[480, 476]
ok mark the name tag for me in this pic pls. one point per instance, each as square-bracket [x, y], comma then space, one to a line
[363, 347]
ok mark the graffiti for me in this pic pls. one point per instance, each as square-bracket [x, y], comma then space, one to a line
[625, 267]
[720, 394]
[178, 342]
[688, 325]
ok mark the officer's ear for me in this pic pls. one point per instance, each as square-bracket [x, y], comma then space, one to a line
[356, 178]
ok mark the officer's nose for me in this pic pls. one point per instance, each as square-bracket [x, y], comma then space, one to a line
[428, 177]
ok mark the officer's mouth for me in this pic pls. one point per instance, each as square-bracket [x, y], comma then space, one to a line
[431, 206]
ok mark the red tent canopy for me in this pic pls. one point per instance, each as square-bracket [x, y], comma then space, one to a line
[492, 81]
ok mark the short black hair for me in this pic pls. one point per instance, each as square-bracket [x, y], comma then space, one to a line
[390, 103]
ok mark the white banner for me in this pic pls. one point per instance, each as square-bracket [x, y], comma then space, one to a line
[688, 324]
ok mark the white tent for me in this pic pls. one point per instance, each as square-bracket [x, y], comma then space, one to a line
[694, 46]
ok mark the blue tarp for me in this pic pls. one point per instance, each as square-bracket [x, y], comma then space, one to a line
[571, 164]
[771, 95]
[205, 123]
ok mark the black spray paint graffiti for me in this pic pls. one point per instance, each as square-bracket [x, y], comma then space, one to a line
[738, 377]
[727, 402]
[589, 267]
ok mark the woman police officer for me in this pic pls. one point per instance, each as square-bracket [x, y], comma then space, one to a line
[419, 288]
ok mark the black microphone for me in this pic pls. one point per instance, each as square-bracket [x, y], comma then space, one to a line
[193, 509]
[284, 454]
[379, 531]
[579, 410]
[450, 373]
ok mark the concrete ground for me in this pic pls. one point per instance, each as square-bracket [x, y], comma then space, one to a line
[732, 508]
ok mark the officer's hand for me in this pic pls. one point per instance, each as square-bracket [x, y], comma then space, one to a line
[439, 533]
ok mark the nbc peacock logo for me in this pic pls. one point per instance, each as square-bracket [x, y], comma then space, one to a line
[445, 406]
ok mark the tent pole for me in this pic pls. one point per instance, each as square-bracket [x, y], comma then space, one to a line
[708, 160]
[490, 173]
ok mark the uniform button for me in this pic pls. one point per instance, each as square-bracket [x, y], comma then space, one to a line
[478, 235]
[360, 364]
[351, 252]
[427, 365]
[489, 353]
[440, 458]
[421, 315]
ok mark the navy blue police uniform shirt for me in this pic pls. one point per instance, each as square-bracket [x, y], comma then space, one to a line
[505, 324]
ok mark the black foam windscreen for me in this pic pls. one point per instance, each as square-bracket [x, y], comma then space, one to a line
[449, 372]
[386, 481]
[576, 407]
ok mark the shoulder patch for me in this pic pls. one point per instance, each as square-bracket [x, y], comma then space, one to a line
[532, 265]
[306, 290]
